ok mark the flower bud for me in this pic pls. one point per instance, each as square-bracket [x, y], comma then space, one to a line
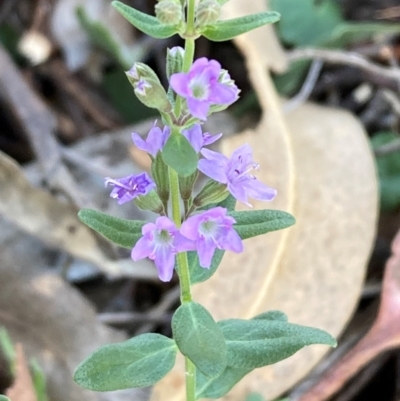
[207, 12]
[169, 12]
[159, 171]
[151, 201]
[174, 60]
[212, 192]
[186, 185]
[148, 88]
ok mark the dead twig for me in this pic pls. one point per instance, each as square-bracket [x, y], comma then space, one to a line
[346, 58]
[307, 87]
[131, 318]
[70, 85]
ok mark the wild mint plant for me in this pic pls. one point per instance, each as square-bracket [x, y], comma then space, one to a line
[193, 229]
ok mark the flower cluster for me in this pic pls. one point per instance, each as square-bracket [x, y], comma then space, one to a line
[204, 87]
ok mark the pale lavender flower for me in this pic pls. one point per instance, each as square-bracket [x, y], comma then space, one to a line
[210, 230]
[198, 139]
[201, 87]
[154, 142]
[234, 172]
[161, 241]
[130, 187]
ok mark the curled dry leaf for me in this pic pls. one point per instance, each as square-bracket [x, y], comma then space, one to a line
[382, 336]
[320, 161]
[56, 223]
[52, 321]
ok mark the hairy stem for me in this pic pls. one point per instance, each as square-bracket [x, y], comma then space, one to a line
[182, 260]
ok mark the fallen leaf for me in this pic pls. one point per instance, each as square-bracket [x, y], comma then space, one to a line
[320, 161]
[22, 388]
[42, 215]
[52, 320]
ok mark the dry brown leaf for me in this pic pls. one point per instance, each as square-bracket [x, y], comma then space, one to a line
[55, 324]
[40, 214]
[320, 161]
[22, 388]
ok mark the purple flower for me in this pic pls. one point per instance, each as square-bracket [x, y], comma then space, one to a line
[198, 139]
[211, 230]
[201, 87]
[130, 187]
[234, 172]
[154, 142]
[161, 241]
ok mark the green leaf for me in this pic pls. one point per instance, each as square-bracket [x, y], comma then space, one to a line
[229, 29]
[388, 171]
[122, 232]
[7, 349]
[255, 343]
[271, 315]
[138, 362]
[4, 398]
[180, 155]
[146, 23]
[104, 39]
[39, 380]
[222, 2]
[306, 22]
[256, 222]
[199, 274]
[199, 338]
[217, 387]
[352, 32]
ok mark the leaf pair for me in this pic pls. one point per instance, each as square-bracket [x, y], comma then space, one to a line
[222, 352]
[220, 31]
[126, 233]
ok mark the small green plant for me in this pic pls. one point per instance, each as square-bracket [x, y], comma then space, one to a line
[193, 230]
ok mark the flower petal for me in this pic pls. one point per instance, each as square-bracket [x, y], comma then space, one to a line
[165, 263]
[140, 142]
[206, 250]
[198, 108]
[213, 170]
[232, 241]
[223, 94]
[208, 139]
[258, 190]
[238, 192]
[195, 136]
[180, 84]
[142, 249]
[183, 244]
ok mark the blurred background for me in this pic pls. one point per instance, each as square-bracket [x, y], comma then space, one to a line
[66, 115]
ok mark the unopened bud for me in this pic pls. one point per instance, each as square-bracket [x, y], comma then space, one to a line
[207, 12]
[151, 201]
[212, 192]
[169, 12]
[175, 60]
[148, 88]
[159, 171]
[186, 185]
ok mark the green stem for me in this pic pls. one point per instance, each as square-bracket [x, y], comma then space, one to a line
[182, 260]
[190, 380]
[189, 50]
